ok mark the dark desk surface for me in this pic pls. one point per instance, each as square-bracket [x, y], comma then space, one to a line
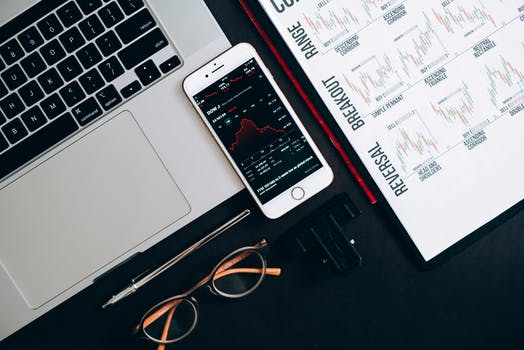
[474, 300]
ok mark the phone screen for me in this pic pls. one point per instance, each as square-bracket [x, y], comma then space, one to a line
[257, 130]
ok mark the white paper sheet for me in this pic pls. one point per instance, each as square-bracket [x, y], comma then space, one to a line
[431, 96]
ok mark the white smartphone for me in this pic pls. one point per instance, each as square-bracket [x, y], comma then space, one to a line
[257, 129]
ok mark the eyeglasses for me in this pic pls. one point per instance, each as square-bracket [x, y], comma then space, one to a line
[235, 276]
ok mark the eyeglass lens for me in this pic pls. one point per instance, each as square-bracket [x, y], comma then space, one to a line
[171, 321]
[242, 277]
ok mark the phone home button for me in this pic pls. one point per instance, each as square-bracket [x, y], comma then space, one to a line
[297, 193]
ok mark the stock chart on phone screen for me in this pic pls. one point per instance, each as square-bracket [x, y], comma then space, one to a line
[257, 130]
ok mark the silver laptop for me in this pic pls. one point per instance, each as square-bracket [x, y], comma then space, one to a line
[101, 156]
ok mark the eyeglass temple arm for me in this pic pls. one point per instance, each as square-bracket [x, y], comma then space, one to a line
[165, 331]
[270, 271]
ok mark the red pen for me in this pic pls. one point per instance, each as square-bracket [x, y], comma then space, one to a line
[309, 103]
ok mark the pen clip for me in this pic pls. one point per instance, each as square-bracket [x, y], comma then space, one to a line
[139, 276]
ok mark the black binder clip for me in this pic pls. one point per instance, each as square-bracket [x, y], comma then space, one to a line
[322, 233]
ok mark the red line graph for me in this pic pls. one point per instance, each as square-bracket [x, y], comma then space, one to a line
[247, 129]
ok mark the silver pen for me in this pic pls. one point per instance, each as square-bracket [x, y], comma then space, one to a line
[133, 287]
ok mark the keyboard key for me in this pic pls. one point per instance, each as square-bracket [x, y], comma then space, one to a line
[14, 77]
[2, 118]
[111, 14]
[3, 143]
[170, 64]
[108, 43]
[32, 11]
[3, 89]
[91, 27]
[14, 131]
[50, 81]
[91, 81]
[12, 105]
[72, 39]
[11, 51]
[72, 94]
[69, 14]
[53, 106]
[87, 111]
[69, 68]
[34, 118]
[111, 69]
[33, 64]
[135, 26]
[89, 56]
[2, 65]
[31, 93]
[39, 142]
[130, 6]
[50, 26]
[30, 39]
[147, 72]
[52, 52]
[108, 97]
[89, 6]
[130, 89]
[143, 48]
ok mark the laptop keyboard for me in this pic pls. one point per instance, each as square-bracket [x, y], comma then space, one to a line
[65, 64]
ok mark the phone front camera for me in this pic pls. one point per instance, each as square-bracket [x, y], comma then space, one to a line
[207, 75]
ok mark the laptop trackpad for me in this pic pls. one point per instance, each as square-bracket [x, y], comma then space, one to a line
[91, 203]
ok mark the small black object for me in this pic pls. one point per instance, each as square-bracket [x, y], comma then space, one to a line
[321, 233]
[87, 111]
[108, 97]
[142, 48]
[170, 64]
[147, 72]
[130, 89]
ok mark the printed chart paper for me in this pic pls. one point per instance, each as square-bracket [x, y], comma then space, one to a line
[431, 96]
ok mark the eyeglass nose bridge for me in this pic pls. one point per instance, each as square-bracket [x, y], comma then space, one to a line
[211, 290]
